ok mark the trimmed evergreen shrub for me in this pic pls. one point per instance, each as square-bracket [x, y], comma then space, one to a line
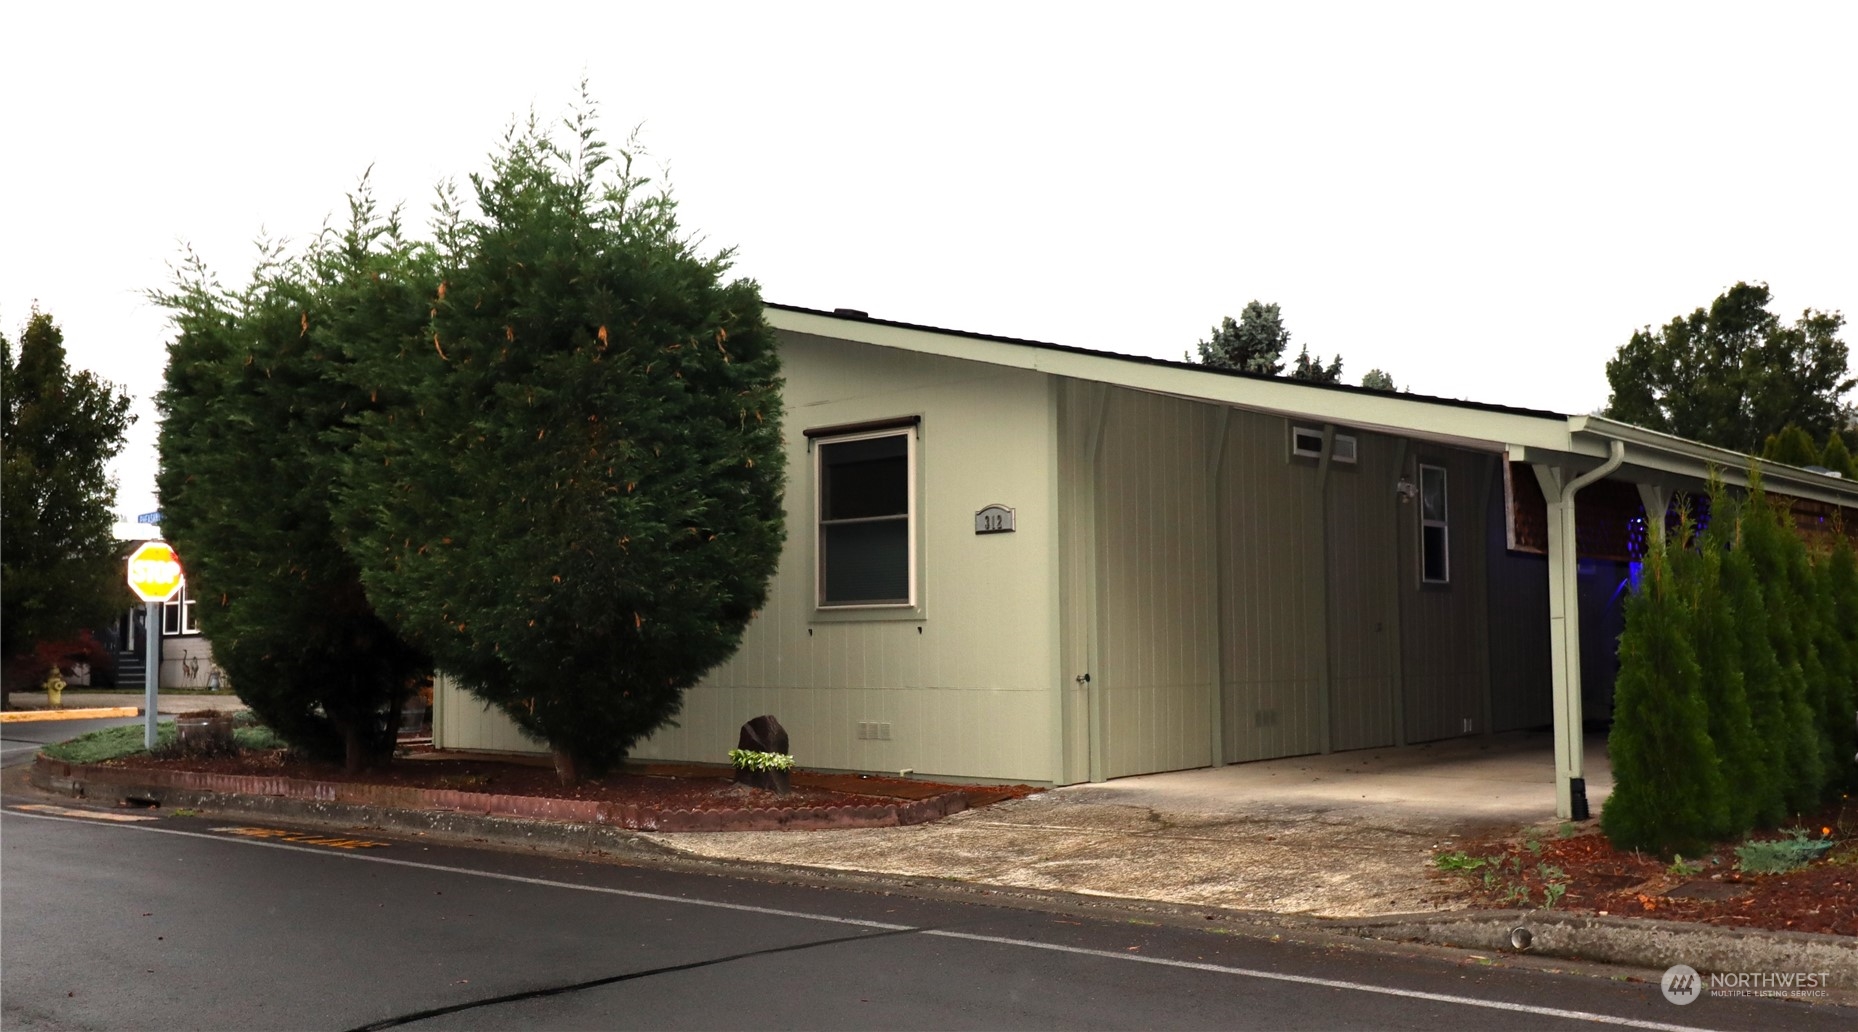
[1721, 685]
[1839, 572]
[1768, 538]
[1667, 781]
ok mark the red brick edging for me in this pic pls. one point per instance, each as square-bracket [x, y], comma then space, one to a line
[50, 773]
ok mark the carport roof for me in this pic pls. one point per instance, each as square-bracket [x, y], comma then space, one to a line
[1524, 435]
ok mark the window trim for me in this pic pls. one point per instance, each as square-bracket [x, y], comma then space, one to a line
[1443, 524]
[186, 620]
[1336, 448]
[907, 428]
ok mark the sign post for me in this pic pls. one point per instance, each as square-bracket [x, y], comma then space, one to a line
[154, 576]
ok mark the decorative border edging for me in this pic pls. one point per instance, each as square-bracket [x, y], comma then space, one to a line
[77, 779]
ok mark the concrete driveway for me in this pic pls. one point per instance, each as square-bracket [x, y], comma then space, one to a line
[1346, 835]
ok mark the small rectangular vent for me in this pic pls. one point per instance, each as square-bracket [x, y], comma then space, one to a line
[1264, 718]
[874, 730]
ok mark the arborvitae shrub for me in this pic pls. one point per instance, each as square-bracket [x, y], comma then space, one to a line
[1667, 783]
[1769, 541]
[1699, 574]
[1838, 571]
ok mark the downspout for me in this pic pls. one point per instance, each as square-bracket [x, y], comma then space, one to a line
[1323, 703]
[1565, 629]
[1397, 600]
[1216, 708]
[1092, 677]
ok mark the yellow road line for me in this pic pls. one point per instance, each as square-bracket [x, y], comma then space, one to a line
[95, 815]
[306, 838]
[20, 716]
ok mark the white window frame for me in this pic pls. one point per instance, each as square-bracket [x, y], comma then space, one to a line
[1343, 449]
[1443, 524]
[182, 605]
[907, 431]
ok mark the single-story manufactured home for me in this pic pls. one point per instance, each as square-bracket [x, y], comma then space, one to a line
[1022, 561]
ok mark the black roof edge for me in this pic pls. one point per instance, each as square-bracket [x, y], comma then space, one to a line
[1481, 406]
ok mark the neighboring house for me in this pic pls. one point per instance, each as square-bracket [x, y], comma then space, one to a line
[186, 657]
[1020, 561]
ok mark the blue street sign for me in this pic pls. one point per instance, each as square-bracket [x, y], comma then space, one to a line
[149, 517]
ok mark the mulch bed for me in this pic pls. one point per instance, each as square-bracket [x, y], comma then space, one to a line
[648, 785]
[1821, 897]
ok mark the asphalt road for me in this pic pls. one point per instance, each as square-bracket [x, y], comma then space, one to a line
[184, 922]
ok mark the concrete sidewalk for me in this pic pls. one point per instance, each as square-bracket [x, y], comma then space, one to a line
[1344, 835]
[79, 699]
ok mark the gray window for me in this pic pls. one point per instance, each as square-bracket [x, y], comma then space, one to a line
[1434, 531]
[867, 541]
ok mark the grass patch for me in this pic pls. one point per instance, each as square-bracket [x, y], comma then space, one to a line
[114, 742]
[109, 743]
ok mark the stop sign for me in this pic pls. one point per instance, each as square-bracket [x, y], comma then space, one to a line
[154, 572]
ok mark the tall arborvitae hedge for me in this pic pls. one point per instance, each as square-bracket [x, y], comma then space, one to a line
[1773, 548]
[1765, 780]
[1721, 684]
[1838, 571]
[1668, 792]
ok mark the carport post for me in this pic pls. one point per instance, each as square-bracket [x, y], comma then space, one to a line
[1564, 628]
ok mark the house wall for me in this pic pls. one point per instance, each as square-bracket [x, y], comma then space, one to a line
[1445, 665]
[1274, 648]
[968, 684]
[1521, 678]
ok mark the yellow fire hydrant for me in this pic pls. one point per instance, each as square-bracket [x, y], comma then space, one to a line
[54, 689]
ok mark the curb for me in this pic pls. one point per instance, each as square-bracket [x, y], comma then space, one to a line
[1638, 942]
[22, 716]
[163, 786]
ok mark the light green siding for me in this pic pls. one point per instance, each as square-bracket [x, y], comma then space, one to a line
[1271, 576]
[1155, 575]
[964, 684]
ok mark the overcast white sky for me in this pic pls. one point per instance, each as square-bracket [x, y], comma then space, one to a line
[1484, 199]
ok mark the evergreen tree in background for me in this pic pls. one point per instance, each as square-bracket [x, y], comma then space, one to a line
[578, 507]
[253, 414]
[1792, 446]
[1838, 458]
[1733, 374]
[59, 561]
[1378, 380]
[1668, 792]
[1313, 370]
[1253, 344]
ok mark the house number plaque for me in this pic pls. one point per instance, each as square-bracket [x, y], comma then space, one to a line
[995, 519]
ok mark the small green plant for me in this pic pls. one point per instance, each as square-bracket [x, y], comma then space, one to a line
[1554, 884]
[1568, 830]
[186, 811]
[1683, 868]
[750, 759]
[1532, 841]
[1458, 860]
[1778, 856]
